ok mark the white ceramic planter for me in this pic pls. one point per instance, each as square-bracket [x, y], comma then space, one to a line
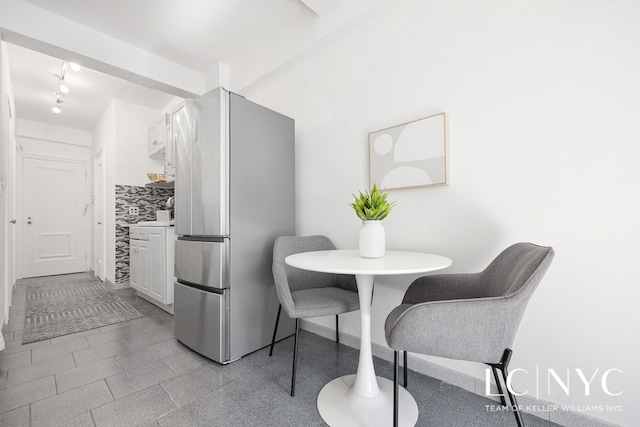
[371, 239]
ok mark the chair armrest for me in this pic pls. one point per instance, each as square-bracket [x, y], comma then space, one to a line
[443, 287]
[472, 329]
[282, 288]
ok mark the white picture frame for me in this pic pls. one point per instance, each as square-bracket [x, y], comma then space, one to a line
[409, 155]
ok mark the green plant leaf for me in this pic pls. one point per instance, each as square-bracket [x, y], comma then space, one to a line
[371, 205]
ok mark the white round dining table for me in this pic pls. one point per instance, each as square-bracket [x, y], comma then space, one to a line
[364, 399]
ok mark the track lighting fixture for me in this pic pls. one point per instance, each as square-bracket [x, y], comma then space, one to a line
[62, 89]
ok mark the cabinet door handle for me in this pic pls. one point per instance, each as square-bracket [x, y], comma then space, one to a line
[13, 221]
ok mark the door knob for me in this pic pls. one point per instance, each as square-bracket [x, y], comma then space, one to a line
[29, 220]
[13, 221]
[99, 223]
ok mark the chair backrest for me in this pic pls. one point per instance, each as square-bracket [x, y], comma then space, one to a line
[296, 278]
[483, 318]
[518, 266]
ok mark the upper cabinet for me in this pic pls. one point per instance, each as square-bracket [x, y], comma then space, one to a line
[162, 142]
[159, 135]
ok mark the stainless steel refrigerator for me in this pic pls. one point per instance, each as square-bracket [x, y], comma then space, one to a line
[234, 194]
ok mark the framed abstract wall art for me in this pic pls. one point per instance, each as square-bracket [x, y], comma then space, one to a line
[408, 155]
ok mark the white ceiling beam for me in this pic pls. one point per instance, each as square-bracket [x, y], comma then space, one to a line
[26, 25]
[320, 7]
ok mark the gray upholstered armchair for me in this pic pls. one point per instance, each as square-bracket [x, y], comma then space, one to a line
[471, 317]
[306, 294]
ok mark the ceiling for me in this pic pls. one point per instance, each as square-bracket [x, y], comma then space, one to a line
[35, 79]
[199, 34]
[195, 33]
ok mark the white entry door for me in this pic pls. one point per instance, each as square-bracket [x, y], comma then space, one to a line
[54, 217]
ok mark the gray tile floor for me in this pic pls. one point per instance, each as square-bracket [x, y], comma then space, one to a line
[136, 373]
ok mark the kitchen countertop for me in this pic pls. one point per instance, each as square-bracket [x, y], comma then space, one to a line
[153, 224]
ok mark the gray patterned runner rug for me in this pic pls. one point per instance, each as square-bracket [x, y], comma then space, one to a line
[54, 308]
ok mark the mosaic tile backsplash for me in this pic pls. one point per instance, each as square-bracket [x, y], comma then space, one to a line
[148, 201]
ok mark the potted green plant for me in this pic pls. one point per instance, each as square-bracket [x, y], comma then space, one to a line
[372, 207]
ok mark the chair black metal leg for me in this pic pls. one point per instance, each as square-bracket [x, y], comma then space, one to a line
[499, 385]
[275, 330]
[406, 369]
[395, 388]
[295, 358]
[337, 334]
[503, 368]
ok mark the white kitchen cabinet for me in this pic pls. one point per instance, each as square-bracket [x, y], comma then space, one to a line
[158, 263]
[151, 267]
[139, 265]
[161, 145]
[170, 152]
[159, 135]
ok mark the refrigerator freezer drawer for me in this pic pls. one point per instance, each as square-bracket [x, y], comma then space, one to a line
[200, 321]
[202, 262]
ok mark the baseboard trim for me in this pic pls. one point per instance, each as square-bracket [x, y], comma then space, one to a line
[121, 285]
[167, 308]
[464, 381]
[109, 284]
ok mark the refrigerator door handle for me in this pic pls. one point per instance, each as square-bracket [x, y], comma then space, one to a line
[194, 128]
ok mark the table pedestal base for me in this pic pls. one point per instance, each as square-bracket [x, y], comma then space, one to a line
[339, 406]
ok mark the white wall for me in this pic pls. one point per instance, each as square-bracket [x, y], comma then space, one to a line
[543, 100]
[104, 141]
[53, 133]
[121, 133]
[132, 159]
[53, 141]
